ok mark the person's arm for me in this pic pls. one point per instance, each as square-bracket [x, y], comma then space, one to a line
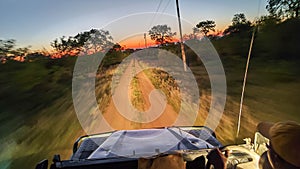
[217, 159]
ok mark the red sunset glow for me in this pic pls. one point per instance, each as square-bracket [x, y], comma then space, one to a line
[138, 41]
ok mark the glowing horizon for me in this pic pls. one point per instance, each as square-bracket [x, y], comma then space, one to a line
[34, 23]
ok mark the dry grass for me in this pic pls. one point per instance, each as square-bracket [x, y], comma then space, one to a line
[136, 95]
[162, 80]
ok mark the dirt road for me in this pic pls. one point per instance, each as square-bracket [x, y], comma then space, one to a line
[157, 115]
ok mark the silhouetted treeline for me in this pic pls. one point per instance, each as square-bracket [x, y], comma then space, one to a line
[87, 42]
[276, 36]
[274, 39]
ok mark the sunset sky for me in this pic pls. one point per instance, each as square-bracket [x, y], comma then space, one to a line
[37, 23]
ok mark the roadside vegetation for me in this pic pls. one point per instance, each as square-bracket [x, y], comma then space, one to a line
[137, 99]
[163, 81]
[37, 118]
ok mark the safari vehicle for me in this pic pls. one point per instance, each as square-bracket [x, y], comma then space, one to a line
[123, 148]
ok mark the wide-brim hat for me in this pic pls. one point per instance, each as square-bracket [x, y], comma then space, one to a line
[284, 138]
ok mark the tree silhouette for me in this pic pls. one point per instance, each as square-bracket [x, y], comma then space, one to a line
[86, 42]
[6, 49]
[239, 18]
[22, 52]
[206, 26]
[193, 35]
[116, 47]
[65, 46]
[289, 8]
[99, 40]
[80, 40]
[195, 31]
[267, 22]
[239, 24]
[161, 34]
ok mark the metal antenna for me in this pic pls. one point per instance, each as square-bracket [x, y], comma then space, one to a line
[181, 39]
[244, 84]
[245, 76]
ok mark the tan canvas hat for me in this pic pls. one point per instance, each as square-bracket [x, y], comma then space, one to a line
[285, 139]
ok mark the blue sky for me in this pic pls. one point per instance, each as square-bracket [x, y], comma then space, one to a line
[38, 22]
